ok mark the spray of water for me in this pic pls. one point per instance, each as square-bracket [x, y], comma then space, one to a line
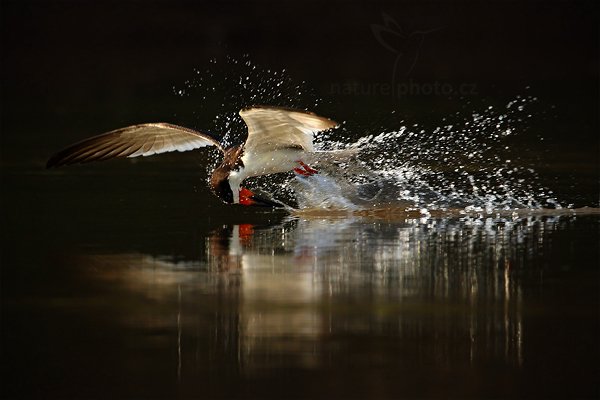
[464, 162]
[468, 164]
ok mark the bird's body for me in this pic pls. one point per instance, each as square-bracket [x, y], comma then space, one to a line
[258, 164]
[279, 140]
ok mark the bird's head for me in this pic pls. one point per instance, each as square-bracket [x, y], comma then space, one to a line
[219, 183]
[222, 186]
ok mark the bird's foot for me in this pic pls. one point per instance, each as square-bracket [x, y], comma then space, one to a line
[304, 169]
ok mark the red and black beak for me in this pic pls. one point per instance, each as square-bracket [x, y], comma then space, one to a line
[249, 198]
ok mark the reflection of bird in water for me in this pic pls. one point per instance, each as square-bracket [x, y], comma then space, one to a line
[223, 249]
[279, 140]
[406, 46]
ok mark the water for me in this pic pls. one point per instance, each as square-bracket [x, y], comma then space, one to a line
[116, 304]
[439, 263]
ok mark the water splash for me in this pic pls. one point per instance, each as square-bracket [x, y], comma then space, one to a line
[468, 163]
[321, 191]
[467, 160]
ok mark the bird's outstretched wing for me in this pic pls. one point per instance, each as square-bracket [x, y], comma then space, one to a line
[271, 128]
[133, 141]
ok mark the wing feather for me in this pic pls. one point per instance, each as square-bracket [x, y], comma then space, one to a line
[134, 141]
[273, 127]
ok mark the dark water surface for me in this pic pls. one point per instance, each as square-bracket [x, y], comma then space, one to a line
[121, 282]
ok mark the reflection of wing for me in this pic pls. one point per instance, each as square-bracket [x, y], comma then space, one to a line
[133, 141]
[271, 128]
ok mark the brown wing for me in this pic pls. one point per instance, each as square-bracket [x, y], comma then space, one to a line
[273, 127]
[133, 141]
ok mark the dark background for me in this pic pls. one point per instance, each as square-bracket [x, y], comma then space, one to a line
[74, 69]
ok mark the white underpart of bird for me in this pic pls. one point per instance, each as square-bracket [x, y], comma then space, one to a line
[284, 160]
[258, 164]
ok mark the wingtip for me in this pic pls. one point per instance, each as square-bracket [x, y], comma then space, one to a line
[57, 160]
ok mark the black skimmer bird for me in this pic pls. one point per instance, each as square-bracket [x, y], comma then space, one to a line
[279, 140]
